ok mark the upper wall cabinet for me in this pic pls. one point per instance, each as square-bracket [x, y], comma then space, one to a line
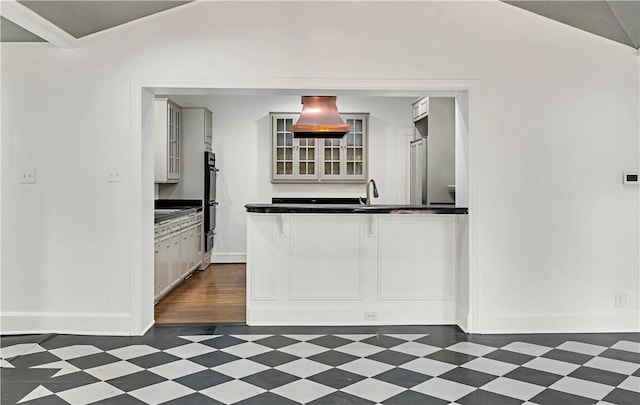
[420, 108]
[208, 130]
[341, 160]
[420, 118]
[196, 131]
[292, 159]
[168, 134]
[345, 159]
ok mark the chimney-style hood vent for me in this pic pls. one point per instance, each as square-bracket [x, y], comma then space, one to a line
[319, 119]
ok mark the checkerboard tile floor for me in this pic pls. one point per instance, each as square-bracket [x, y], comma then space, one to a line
[203, 364]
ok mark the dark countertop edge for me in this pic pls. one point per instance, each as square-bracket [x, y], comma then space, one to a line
[177, 214]
[172, 203]
[346, 209]
[319, 200]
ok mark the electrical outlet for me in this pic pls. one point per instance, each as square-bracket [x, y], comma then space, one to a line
[114, 176]
[621, 299]
[28, 175]
[370, 316]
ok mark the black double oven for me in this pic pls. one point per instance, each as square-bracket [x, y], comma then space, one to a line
[210, 203]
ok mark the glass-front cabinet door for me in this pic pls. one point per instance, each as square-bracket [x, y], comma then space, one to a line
[326, 160]
[331, 158]
[355, 149]
[174, 127]
[293, 159]
[345, 159]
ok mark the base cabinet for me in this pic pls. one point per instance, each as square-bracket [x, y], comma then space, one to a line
[350, 269]
[328, 262]
[177, 252]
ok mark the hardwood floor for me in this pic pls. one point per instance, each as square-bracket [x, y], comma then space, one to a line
[214, 295]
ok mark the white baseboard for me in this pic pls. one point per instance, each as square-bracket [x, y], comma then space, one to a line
[462, 320]
[310, 316]
[562, 323]
[77, 323]
[239, 257]
[145, 330]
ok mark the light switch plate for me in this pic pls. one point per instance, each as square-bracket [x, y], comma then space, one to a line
[28, 175]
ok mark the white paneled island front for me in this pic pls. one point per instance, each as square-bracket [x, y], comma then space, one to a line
[351, 265]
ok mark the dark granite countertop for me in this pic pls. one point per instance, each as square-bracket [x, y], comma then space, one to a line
[296, 208]
[170, 209]
[161, 215]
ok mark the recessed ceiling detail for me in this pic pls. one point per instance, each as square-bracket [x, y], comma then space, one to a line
[618, 20]
[615, 20]
[82, 18]
[10, 32]
[628, 13]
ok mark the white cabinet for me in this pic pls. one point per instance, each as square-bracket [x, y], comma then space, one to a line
[345, 159]
[197, 130]
[183, 266]
[338, 269]
[318, 160]
[168, 138]
[421, 118]
[157, 262]
[163, 269]
[195, 139]
[174, 268]
[163, 261]
[292, 159]
[208, 130]
[435, 147]
[177, 251]
[193, 247]
[420, 108]
[327, 256]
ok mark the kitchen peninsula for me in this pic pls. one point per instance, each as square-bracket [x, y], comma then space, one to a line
[352, 264]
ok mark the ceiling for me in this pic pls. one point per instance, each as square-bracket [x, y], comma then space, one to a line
[63, 22]
[71, 19]
[618, 20]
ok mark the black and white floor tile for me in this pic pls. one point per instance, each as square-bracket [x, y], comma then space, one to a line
[200, 364]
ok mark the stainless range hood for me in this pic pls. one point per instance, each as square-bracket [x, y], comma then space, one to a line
[319, 119]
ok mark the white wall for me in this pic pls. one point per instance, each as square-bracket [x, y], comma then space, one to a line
[555, 232]
[242, 143]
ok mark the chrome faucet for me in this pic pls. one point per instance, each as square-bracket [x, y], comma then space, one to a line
[375, 192]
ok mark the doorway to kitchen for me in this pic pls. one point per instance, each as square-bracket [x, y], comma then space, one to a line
[142, 305]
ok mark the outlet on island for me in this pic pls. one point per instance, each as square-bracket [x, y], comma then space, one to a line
[370, 316]
[621, 299]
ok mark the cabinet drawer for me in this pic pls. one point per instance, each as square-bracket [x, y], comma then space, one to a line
[163, 229]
